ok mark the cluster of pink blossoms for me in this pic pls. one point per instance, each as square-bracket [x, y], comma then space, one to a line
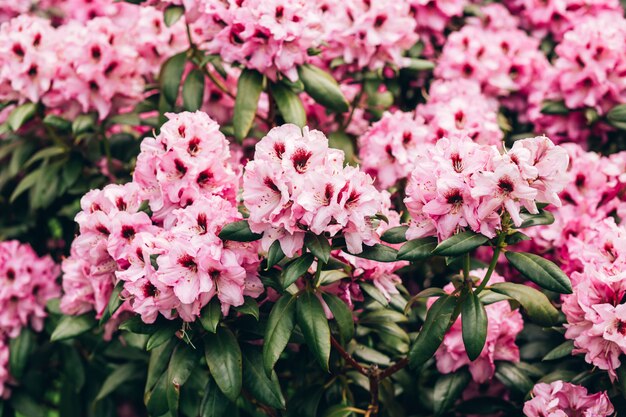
[504, 325]
[457, 108]
[367, 34]
[172, 263]
[589, 72]
[271, 37]
[459, 184]
[562, 399]
[501, 57]
[297, 183]
[27, 282]
[81, 67]
[434, 16]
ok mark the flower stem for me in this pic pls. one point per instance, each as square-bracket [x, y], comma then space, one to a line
[493, 263]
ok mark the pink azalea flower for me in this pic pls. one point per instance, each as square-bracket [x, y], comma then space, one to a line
[561, 399]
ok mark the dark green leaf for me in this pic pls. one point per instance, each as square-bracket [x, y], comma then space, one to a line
[328, 277]
[210, 316]
[275, 254]
[340, 140]
[339, 411]
[26, 405]
[516, 237]
[115, 301]
[323, 88]
[395, 235]
[280, 324]
[172, 14]
[72, 171]
[238, 231]
[433, 330]
[416, 64]
[460, 243]
[541, 271]
[544, 217]
[71, 326]
[156, 399]
[136, 325]
[249, 307]
[536, 304]
[183, 361]
[318, 245]
[121, 374]
[554, 107]
[427, 293]
[165, 333]
[20, 115]
[314, 325]
[57, 123]
[375, 293]
[223, 356]
[343, 316]
[255, 381]
[20, 349]
[617, 116]
[289, 104]
[249, 89]
[171, 75]
[73, 368]
[561, 351]
[448, 389]
[157, 366]
[83, 123]
[378, 252]
[193, 90]
[27, 182]
[214, 403]
[417, 249]
[474, 320]
[296, 268]
[513, 377]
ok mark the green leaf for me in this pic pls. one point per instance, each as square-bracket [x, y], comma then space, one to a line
[26, 405]
[238, 231]
[433, 331]
[249, 89]
[426, 293]
[165, 333]
[541, 271]
[416, 64]
[115, 301]
[314, 325]
[460, 243]
[544, 217]
[395, 235]
[183, 361]
[136, 325]
[328, 277]
[210, 316]
[375, 293]
[617, 116]
[323, 88]
[157, 366]
[339, 411]
[536, 304]
[474, 321]
[73, 368]
[561, 351]
[256, 382]
[27, 182]
[295, 269]
[71, 326]
[172, 14]
[57, 123]
[378, 252]
[20, 115]
[83, 123]
[249, 307]
[214, 403]
[156, 400]
[417, 249]
[340, 140]
[193, 90]
[448, 389]
[513, 377]
[342, 315]
[554, 107]
[318, 245]
[289, 104]
[223, 356]
[280, 324]
[171, 75]
[120, 375]
[275, 254]
[20, 349]
[71, 171]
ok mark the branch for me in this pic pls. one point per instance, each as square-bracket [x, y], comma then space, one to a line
[344, 354]
[401, 364]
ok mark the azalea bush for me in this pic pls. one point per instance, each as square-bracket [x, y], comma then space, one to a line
[310, 208]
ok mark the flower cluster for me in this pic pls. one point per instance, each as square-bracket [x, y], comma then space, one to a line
[457, 183]
[172, 262]
[297, 183]
[27, 283]
[504, 60]
[560, 399]
[588, 73]
[366, 34]
[434, 16]
[504, 324]
[9, 10]
[81, 67]
[271, 37]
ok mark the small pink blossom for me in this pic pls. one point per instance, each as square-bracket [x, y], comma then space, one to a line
[562, 399]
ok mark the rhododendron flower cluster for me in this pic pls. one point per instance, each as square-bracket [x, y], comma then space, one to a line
[172, 263]
[296, 182]
[504, 325]
[81, 67]
[560, 399]
[271, 37]
[433, 16]
[504, 60]
[368, 34]
[459, 184]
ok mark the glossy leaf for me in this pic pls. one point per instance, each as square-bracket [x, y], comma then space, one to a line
[395, 235]
[375, 293]
[20, 349]
[121, 374]
[323, 88]
[275, 254]
[256, 382]
[165, 333]
[249, 88]
[378, 252]
[541, 271]
[171, 75]
[554, 107]
[238, 231]
[223, 356]
[20, 115]
[514, 378]
[417, 249]
[536, 304]
[448, 389]
[214, 403]
[342, 316]
[561, 351]
[432, 332]
[314, 325]
[295, 269]
[289, 104]
[172, 14]
[474, 322]
[72, 326]
[184, 359]
[544, 217]
[460, 243]
[249, 307]
[280, 324]
[318, 245]
[617, 116]
[210, 316]
[193, 90]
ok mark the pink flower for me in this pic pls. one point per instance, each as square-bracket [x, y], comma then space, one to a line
[5, 377]
[504, 325]
[562, 399]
